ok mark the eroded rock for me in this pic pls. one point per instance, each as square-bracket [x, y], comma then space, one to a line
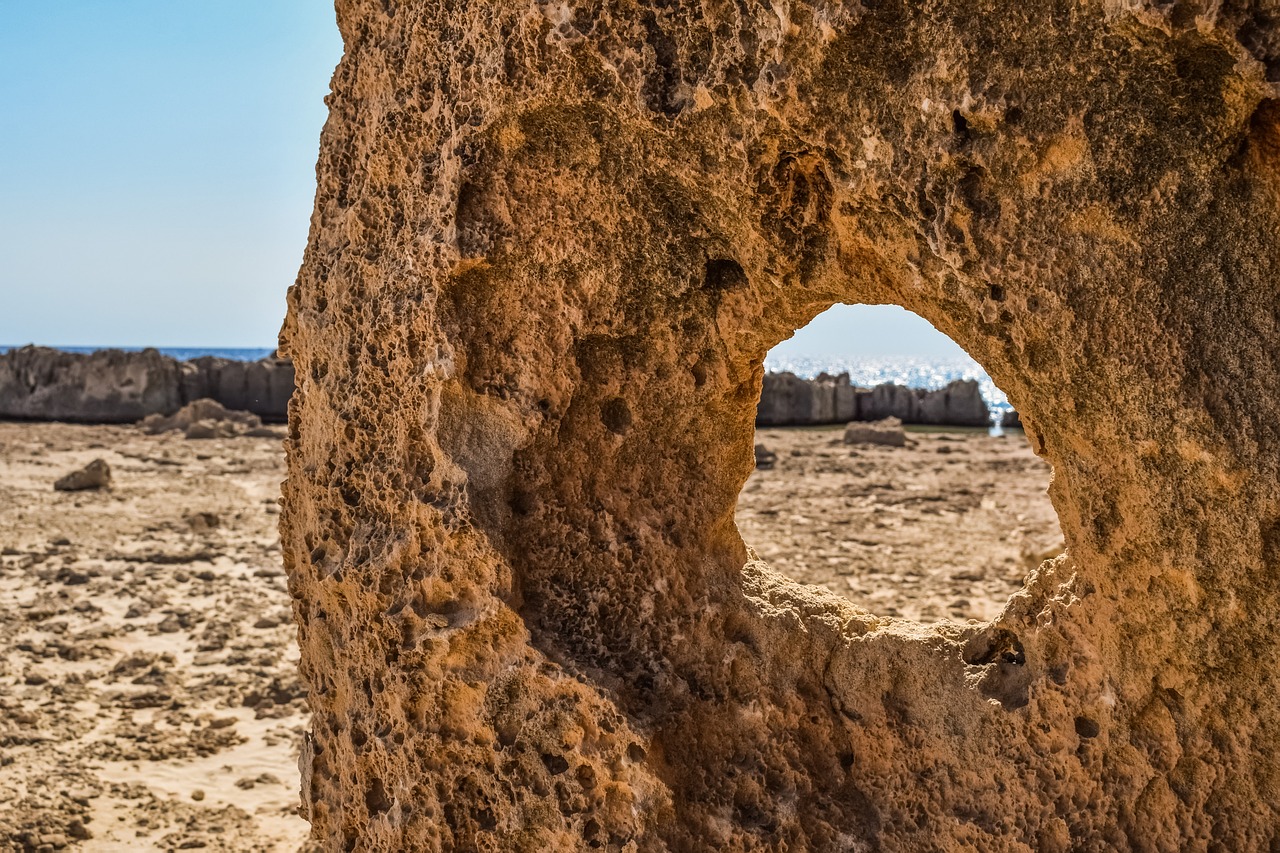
[551, 248]
[887, 431]
[95, 475]
[113, 386]
[108, 386]
[203, 418]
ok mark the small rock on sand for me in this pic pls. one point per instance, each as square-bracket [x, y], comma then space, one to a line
[95, 475]
[887, 431]
[765, 458]
[203, 521]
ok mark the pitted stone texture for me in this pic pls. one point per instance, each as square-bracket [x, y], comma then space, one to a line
[551, 247]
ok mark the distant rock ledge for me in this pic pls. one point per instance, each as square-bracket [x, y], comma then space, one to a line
[789, 400]
[113, 386]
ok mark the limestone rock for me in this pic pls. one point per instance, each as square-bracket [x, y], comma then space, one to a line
[262, 387]
[95, 475]
[109, 386]
[203, 419]
[887, 431]
[960, 403]
[788, 400]
[551, 247]
[112, 386]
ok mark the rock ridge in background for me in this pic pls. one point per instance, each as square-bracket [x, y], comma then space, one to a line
[114, 386]
[789, 400]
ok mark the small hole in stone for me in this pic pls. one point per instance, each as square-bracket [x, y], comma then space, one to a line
[960, 125]
[722, 274]
[939, 517]
[1087, 728]
[555, 764]
[615, 414]
[375, 798]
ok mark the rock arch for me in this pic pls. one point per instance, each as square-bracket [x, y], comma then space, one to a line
[551, 247]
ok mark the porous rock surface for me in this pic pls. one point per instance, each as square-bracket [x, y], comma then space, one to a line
[552, 245]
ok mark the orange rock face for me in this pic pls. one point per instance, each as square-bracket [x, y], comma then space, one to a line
[552, 244]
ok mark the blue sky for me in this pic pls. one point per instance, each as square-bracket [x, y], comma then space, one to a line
[157, 170]
[157, 166]
[855, 331]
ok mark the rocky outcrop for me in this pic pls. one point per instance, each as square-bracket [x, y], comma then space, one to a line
[108, 386]
[204, 418]
[888, 432]
[788, 400]
[262, 387]
[551, 248]
[112, 386]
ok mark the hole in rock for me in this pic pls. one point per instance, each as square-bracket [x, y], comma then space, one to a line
[939, 517]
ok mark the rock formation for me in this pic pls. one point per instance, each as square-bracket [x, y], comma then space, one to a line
[108, 386]
[95, 475]
[552, 245]
[262, 387]
[788, 400]
[206, 418]
[887, 431]
[112, 386]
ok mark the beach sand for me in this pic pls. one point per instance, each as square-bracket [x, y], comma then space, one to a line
[945, 528]
[148, 692]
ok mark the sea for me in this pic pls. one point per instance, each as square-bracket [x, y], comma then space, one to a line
[927, 373]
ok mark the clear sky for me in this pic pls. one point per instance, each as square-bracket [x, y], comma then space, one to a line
[157, 166]
[855, 331]
[157, 171]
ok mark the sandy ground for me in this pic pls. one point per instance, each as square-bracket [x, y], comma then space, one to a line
[944, 528]
[148, 693]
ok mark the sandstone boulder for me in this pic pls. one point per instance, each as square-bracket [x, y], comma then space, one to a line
[551, 247]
